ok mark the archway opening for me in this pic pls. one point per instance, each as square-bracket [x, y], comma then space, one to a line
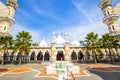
[47, 56]
[12, 56]
[6, 56]
[32, 57]
[87, 55]
[40, 56]
[80, 55]
[60, 55]
[73, 55]
[26, 57]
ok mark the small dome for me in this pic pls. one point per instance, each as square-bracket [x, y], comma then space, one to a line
[59, 40]
[43, 43]
[75, 43]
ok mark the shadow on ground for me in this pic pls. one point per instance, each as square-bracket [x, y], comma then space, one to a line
[107, 75]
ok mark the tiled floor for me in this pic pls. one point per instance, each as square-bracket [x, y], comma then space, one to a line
[38, 72]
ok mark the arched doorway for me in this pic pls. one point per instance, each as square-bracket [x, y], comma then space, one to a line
[87, 55]
[73, 55]
[40, 56]
[6, 56]
[32, 57]
[26, 57]
[12, 57]
[60, 55]
[80, 55]
[18, 56]
[47, 56]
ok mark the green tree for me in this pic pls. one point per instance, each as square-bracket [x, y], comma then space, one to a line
[92, 44]
[23, 43]
[6, 43]
[116, 46]
[109, 43]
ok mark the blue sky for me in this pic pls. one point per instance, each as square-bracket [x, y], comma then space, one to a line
[43, 17]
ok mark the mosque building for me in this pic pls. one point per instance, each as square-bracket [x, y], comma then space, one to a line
[60, 47]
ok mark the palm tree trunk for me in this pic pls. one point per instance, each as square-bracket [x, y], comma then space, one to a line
[95, 58]
[20, 59]
[3, 58]
[117, 54]
[106, 52]
[111, 61]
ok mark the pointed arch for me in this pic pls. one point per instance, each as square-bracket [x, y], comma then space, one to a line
[18, 56]
[32, 57]
[87, 55]
[46, 56]
[60, 55]
[6, 56]
[26, 56]
[40, 55]
[80, 55]
[12, 56]
[73, 55]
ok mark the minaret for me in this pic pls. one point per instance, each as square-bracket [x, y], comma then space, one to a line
[110, 18]
[8, 21]
[66, 37]
[53, 37]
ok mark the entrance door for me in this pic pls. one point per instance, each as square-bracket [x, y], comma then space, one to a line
[60, 56]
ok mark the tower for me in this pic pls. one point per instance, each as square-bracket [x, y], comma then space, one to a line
[110, 18]
[66, 37]
[53, 37]
[7, 21]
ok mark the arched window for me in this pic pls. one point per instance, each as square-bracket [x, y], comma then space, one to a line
[113, 28]
[4, 28]
[108, 12]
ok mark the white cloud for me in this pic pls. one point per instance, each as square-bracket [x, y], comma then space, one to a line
[95, 24]
[36, 35]
[78, 6]
[76, 32]
[79, 32]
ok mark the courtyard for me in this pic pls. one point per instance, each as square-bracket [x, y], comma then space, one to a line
[59, 40]
[35, 71]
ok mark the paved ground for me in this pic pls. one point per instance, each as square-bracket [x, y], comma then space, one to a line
[32, 72]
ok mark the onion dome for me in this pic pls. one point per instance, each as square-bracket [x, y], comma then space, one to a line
[59, 40]
[43, 43]
[75, 43]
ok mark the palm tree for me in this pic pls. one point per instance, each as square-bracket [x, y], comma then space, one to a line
[23, 43]
[109, 43]
[5, 43]
[92, 44]
[116, 46]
